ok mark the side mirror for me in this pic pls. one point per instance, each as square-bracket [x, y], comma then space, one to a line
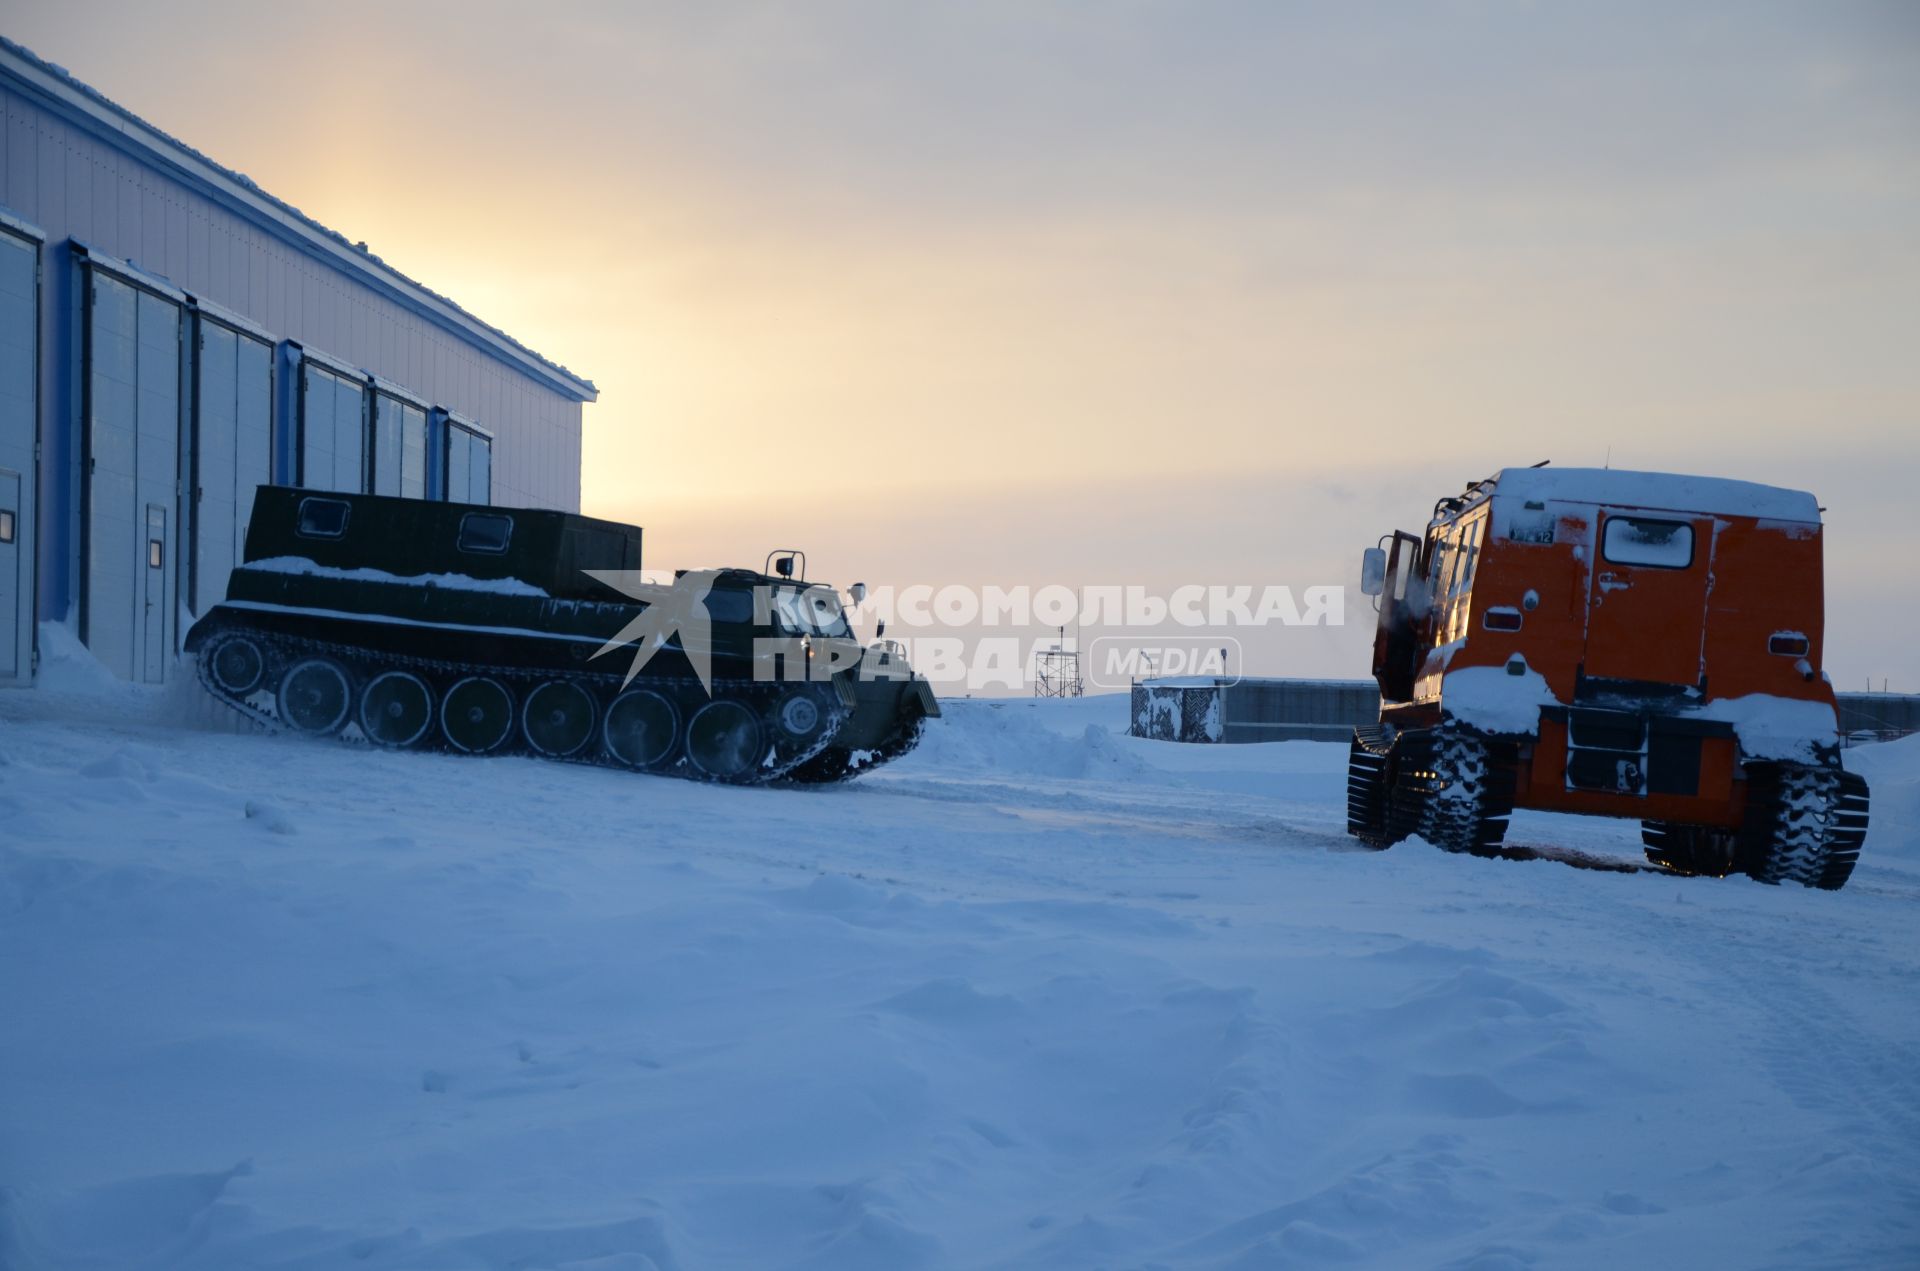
[858, 592]
[879, 628]
[1373, 571]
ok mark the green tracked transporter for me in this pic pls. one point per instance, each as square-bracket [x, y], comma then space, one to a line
[490, 630]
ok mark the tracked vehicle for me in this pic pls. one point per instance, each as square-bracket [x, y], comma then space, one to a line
[490, 630]
[1612, 643]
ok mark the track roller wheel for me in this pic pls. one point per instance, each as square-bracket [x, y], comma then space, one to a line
[641, 729]
[558, 718]
[396, 709]
[315, 695]
[477, 715]
[236, 664]
[723, 740]
[799, 716]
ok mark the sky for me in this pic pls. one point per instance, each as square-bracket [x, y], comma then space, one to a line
[1124, 293]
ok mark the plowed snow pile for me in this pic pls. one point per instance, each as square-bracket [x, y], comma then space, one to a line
[1041, 995]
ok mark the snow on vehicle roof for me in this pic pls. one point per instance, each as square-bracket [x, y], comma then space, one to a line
[1666, 491]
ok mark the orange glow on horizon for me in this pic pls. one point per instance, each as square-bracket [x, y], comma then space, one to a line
[1097, 332]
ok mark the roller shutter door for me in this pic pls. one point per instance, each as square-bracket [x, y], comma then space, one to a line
[132, 476]
[19, 358]
[232, 450]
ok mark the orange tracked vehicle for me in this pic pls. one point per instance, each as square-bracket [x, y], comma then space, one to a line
[1624, 644]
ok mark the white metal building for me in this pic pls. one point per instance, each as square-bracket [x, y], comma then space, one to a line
[172, 337]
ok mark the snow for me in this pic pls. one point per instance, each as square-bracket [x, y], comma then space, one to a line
[1494, 701]
[1892, 770]
[1664, 491]
[1497, 701]
[21, 226]
[67, 666]
[1776, 727]
[130, 270]
[1039, 995]
[450, 582]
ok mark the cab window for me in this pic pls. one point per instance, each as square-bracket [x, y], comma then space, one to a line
[730, 605]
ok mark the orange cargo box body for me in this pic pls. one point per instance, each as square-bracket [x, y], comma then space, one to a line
[1644, 645]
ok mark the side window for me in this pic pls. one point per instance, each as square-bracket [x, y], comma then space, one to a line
[1460, 594]
[485, 532]
[1639, 540]
[323, 518]
[1442, 555]
[1469, 557]
[1439, 555]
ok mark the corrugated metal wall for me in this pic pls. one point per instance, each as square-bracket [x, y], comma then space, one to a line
[1879, 714]
[1294, 710]
[74, 185]
[1328, 710]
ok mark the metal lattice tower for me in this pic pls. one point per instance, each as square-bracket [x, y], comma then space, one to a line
[1057, 671]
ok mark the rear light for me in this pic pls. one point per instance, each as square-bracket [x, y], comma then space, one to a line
[1503, 618]
[1788, 644]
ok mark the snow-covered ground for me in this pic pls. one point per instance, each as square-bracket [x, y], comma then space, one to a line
[1040, 995]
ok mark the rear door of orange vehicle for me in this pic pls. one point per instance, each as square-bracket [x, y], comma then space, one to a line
[1647, 602]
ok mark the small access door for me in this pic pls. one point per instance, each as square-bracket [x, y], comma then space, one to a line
[153, 638]
[1647, 611]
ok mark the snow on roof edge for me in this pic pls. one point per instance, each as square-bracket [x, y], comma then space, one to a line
[1665, 491]
[247, 183]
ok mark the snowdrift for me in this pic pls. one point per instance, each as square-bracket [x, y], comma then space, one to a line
[1039, 995]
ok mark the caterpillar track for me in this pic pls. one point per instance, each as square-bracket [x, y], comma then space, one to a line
[1803, 823]
[1442, 784]
[839, 763]
[745, 733]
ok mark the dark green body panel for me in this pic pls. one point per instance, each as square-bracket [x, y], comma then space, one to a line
[431, 588]
[412, 537]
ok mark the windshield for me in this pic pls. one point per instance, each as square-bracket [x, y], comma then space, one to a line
[730, 605]
[810, 611]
